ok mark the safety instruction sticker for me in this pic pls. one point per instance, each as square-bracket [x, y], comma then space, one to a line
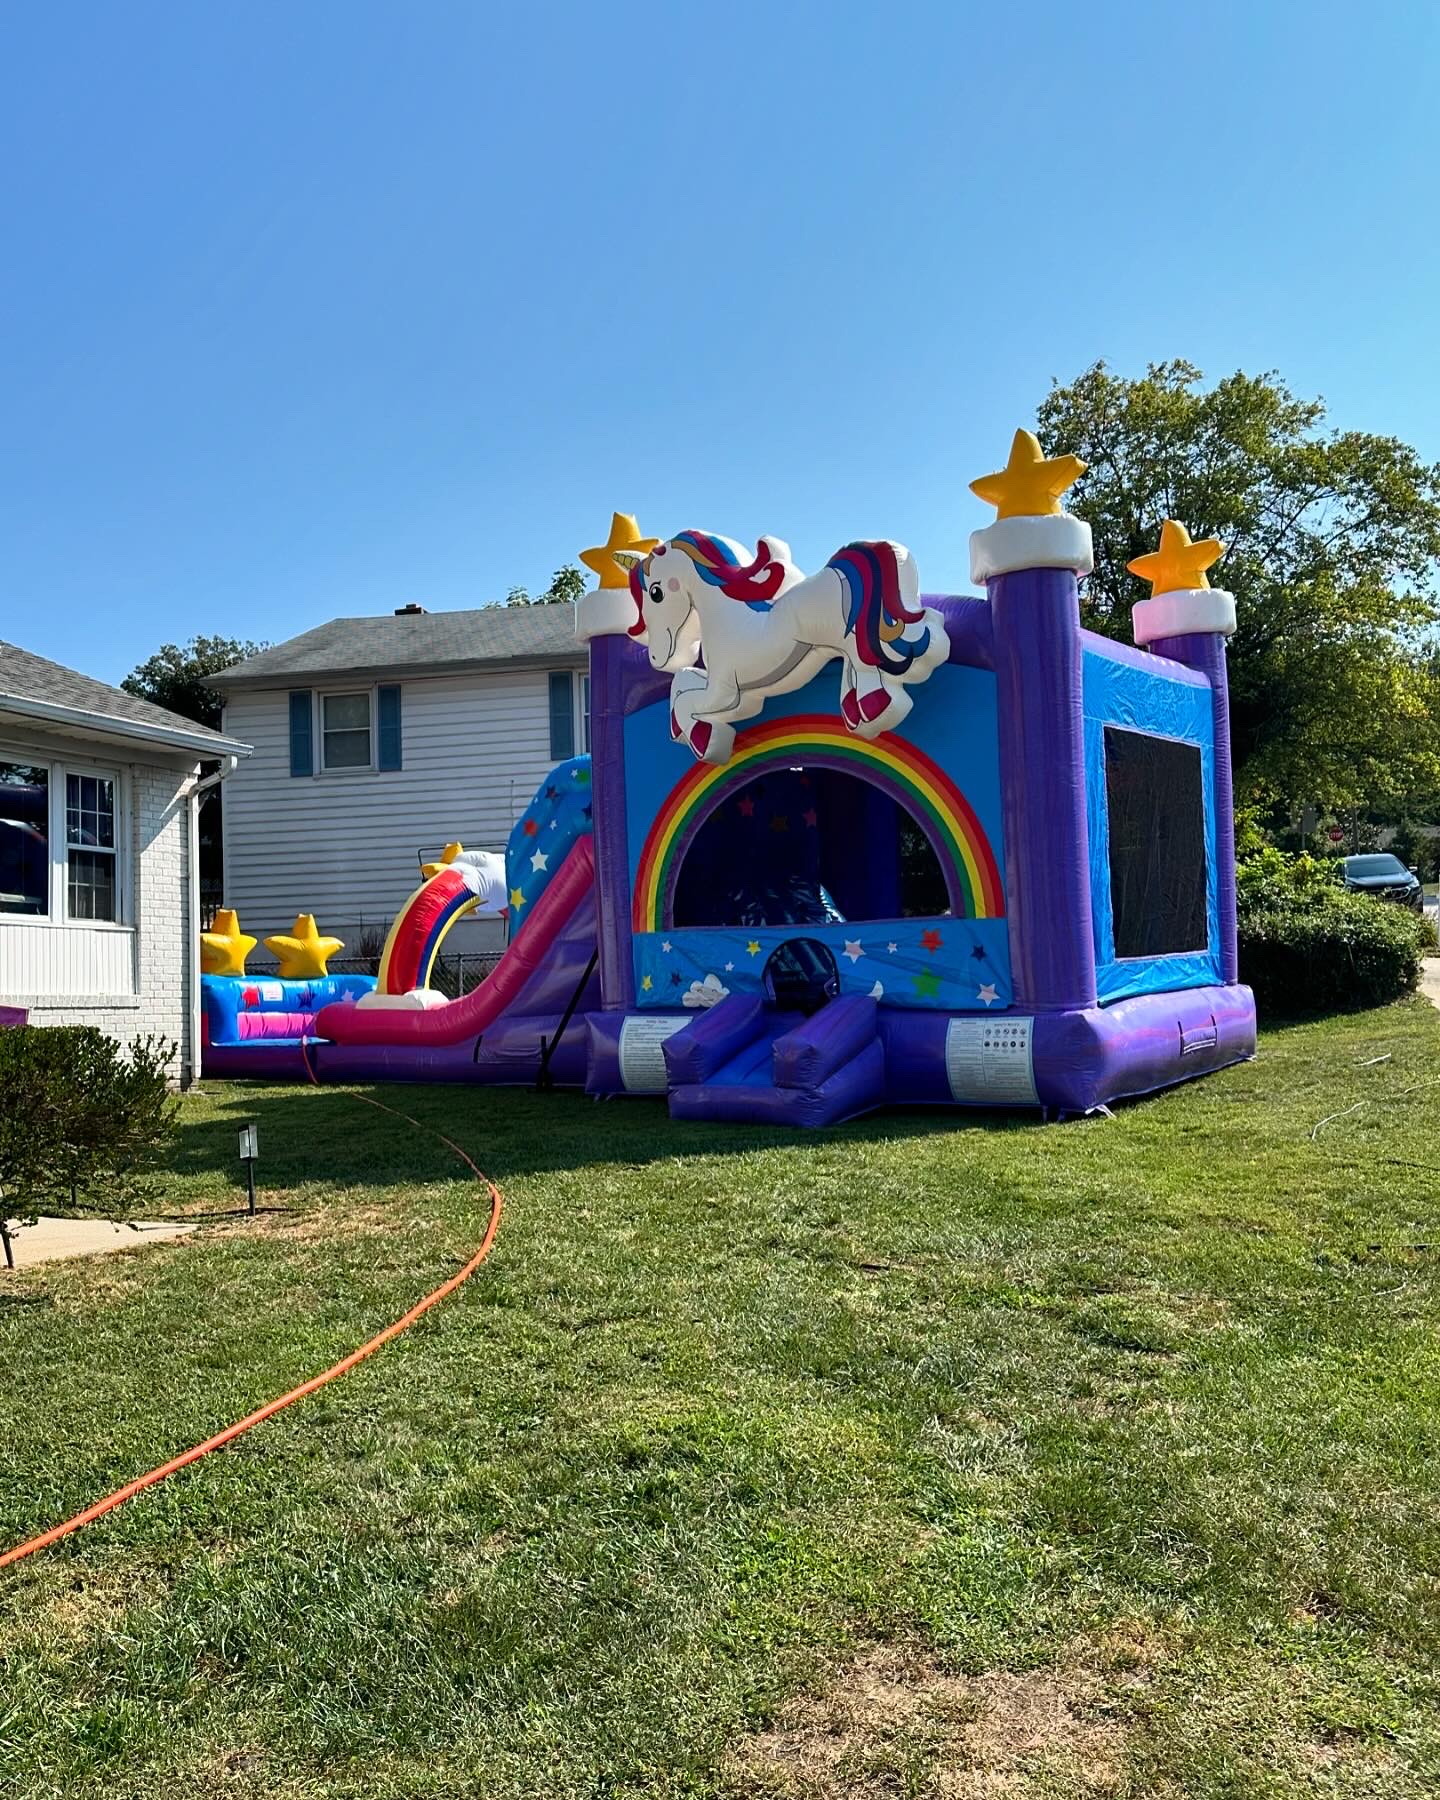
[991, 1060]
[642, 1058]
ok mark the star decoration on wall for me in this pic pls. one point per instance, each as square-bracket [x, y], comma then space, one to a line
[988, 993]
[302, 951]
[930, 940]
[927, 984]
[728, 967]
[891, 947]
[811, 817]
[1031, 483]
[753, 947]
[1178, 563]
[225, 946]
[624, 537]
[517, 899]
[646, 984]
[539, 861]
[853, 950]
[746, 806]
[666, 946]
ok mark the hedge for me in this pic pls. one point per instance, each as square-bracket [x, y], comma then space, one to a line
[82, 1121]
[1306, 945]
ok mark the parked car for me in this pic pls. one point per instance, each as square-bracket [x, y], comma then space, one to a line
[1383, 875]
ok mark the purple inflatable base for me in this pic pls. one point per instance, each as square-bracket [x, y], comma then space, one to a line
[765, 1068]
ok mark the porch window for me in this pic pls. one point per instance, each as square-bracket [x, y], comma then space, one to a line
[91, 888]
[24, 840]
[346, 731]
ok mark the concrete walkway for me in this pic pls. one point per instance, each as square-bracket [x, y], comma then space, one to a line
[50, 1240]
[1430, 979]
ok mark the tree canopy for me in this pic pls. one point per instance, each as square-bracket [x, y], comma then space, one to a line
[1331, 546]
[566, 584]
[175, 676]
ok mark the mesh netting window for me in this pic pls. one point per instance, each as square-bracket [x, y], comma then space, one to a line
[1157, 844]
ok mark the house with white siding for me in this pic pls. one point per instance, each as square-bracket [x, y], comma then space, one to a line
[379, 740]
[99, 804]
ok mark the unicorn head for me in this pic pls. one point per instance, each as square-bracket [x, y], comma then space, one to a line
[679, 576]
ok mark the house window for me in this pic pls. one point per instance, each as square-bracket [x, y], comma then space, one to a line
[585, 712]
[61, 831]
[562, 715]
[345, 732]
[24, 839]
[90, 853]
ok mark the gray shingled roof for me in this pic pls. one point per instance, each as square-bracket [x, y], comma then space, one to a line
[393, 644]
[27, 681]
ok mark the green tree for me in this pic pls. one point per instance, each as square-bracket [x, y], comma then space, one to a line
[176, 676]
[1332, 539]
[566, 585]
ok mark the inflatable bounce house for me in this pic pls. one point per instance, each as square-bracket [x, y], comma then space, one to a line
[839, 845]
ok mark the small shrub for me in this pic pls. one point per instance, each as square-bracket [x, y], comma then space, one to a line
[82, 1122]
[1306, 945]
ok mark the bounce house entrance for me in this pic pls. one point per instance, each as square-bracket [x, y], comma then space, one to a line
[808, 846]
[801, 975]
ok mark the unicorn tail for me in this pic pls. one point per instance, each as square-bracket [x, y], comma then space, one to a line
[879, 579]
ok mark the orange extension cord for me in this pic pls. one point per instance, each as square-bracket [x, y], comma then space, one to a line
[231, 1432]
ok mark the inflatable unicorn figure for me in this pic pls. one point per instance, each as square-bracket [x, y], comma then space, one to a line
[765, 628]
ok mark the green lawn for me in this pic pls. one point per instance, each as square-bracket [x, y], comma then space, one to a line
[929, 1456]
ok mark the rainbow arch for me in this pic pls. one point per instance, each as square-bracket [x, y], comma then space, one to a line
[890, 762]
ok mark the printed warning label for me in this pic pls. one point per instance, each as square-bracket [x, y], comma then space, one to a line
[991, 1060]
[642, 1058]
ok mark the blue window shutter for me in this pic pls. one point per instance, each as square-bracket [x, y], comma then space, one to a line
[387, 700]
[562, 716]
[302, 732]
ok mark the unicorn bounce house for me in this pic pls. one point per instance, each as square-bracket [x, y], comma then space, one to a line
[838, 845]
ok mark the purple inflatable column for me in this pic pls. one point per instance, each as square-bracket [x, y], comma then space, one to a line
[1036, 615]
[603, 617]
[1188, 621]
[607, 771]
[1029, 559]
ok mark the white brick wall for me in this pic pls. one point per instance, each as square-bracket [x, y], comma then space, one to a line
[131, 981]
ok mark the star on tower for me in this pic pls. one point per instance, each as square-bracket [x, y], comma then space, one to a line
[624, 538]
[1030, 484]
[1178, 564]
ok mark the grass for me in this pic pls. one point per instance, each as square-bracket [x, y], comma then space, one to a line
[928, 1456]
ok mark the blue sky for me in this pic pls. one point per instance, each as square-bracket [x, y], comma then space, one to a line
[312, 309]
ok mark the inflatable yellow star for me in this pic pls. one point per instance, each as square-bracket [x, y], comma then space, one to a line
[225, 946]
[447, 856]
[1178, 563]
[1030, 484]
[302, 951]
[624, 536]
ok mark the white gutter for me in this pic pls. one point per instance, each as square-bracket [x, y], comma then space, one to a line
[203, 743]
[201, 785]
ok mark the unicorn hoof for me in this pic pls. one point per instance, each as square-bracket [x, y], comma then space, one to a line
[850, 708]
[675, 730]
[699, 736]
[873, 704]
